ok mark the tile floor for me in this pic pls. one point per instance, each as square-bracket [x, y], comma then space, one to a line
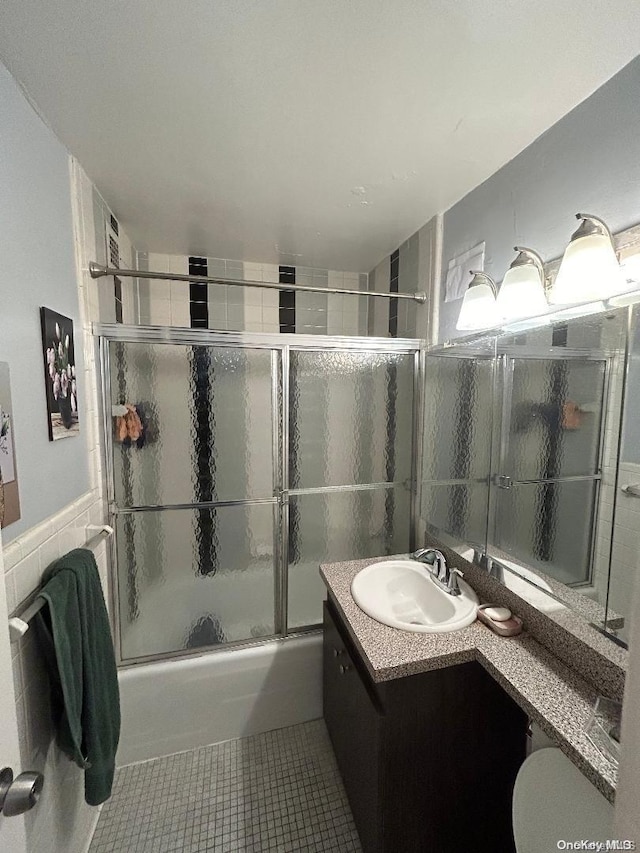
[277, 791]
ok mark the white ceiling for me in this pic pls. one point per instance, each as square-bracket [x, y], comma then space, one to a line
[317, 132]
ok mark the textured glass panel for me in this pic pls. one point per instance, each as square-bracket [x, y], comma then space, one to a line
[456, 513]
[457, 418]
[190, 578]
[548, 525]
[593, 335]
[338, 526]
[206, 414]
[350, 418]
[554, 418]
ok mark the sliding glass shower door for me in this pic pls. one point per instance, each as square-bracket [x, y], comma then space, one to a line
[235, 468]
[194, 494]
[350, 457]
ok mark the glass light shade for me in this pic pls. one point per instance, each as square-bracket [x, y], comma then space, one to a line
[521, 293]
[589, 271]
[478, 309]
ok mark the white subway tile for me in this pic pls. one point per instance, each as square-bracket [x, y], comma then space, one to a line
[179, 264]
[271, 316]
[252, 298]
[27, 575]
[160, 312]
[18, 681]
[253, 314]
[270, 272]
[12, 554]
[159, 263]
[180, 315]
[10, 585]
[270, 298]
[179, 291]
[96, 514]
[21, 714]
[50, 552]
[350, 324]
[67, 538]
[253, 272]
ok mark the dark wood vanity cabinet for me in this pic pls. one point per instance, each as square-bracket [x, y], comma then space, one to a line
[429, 760]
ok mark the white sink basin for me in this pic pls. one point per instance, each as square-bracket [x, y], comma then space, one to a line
[402, 594]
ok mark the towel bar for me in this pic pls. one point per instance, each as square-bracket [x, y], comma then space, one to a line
[19, 622]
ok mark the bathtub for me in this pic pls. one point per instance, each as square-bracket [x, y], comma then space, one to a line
[173, 706]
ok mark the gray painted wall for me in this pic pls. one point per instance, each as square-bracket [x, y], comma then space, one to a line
[589, 161]
[37, 268]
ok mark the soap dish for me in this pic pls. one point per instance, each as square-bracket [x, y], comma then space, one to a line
[507, 628]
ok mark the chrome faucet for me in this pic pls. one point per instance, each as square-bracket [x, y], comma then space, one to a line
[435, 563]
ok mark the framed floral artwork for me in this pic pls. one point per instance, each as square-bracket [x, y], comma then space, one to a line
[60, 375]
[9, 494]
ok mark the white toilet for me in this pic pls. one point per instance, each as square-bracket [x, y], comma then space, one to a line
[553, 801]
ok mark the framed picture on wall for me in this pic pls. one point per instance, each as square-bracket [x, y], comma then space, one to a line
[9, 495]
[60, 374]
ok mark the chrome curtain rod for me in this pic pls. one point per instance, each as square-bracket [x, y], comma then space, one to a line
[98, 270]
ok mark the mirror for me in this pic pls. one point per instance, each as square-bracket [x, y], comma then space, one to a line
[520, 461]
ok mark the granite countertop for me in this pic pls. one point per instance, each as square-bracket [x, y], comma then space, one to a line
[553, 695]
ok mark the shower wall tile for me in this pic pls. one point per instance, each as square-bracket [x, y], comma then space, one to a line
[252, 309]
[380, 282]
[414, 270]
[109, 245]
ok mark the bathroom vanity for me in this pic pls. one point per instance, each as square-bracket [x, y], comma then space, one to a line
[428, 760]
[429, 730]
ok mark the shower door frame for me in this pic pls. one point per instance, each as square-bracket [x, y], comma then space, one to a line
[280, 346]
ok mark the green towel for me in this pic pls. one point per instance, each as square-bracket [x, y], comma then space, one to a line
[82, 668]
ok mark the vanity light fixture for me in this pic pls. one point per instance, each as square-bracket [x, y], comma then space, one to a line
[589, 270]
[478, 309]
[522, 293]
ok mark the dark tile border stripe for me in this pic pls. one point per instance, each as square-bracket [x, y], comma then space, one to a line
[287, 301]
[198, 294]
[394, 275]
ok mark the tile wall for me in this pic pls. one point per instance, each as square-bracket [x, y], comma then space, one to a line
[411, 268]
[111, 300]
[251, 309]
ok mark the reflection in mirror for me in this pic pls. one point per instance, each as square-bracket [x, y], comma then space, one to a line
[557, 398]
[624, 502]
[525, 429]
